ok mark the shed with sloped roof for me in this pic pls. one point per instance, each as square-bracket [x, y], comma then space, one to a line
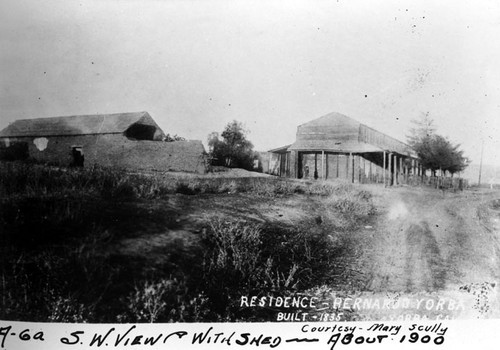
[120, 140]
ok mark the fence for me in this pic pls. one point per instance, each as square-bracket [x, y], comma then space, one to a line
[440, 182]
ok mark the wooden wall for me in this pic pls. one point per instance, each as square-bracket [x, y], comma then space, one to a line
[376, 138]
[362, 168]
[344, 129]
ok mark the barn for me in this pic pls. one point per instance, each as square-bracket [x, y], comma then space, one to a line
[122, 140]
[336, 146]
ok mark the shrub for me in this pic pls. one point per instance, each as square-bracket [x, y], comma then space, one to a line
[277, 280]
[354, 205]
[165, 300]
[147, 301]
[242, 258]
[234, 247]
[67, 309]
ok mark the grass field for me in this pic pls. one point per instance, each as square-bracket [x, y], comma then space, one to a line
[95, 245]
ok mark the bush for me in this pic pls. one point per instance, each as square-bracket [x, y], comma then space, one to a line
[165, 300]
[234, 248]
[67, 309]
[355, 206]
[244, 258]
[147, 302]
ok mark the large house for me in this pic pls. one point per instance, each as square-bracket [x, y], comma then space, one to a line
[122, 140]
[338, 147]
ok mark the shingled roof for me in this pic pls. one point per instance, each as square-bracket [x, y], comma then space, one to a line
[77, 125]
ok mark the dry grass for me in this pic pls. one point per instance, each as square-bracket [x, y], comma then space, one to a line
[63, 218]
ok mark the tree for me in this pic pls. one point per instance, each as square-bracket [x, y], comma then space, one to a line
[231, 148]
[216, 149]
[435, 151]
[423, 128]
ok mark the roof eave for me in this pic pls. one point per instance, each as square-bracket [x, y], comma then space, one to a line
[280, 149]
[62, 135]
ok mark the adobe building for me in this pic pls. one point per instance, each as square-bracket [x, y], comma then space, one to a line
[338, 147]
[123, 140]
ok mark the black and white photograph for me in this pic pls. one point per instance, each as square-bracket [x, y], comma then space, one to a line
[220, 162]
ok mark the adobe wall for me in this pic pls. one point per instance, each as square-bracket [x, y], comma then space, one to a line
[115, 150]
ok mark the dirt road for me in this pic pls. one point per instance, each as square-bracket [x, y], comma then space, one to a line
[425, 240]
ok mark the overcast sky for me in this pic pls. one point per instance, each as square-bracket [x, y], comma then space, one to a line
[195, 65]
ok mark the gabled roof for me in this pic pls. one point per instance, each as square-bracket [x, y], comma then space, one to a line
[331, 119]
[77, 125]
[337, 132]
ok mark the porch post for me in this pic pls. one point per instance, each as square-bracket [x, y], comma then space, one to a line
[294, 162]
[337, 167]
[315, 175]
[395, 169]
[280, 156]
[347, 166]
[407, 172]
[370, 171]
[383, 174]
[401, 172]
[390, 169]
[364, 170]
[351, 157]
[287, 160]
[322, 165]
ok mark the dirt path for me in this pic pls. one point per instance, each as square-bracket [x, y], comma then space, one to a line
[438, 243]
[427, 241]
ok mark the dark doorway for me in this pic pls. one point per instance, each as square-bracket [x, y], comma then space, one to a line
[78, 158]
[141, 132]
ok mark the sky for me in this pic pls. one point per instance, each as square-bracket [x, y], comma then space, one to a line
[196, 65]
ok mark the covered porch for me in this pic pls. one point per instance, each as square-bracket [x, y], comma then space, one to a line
[389, 168]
